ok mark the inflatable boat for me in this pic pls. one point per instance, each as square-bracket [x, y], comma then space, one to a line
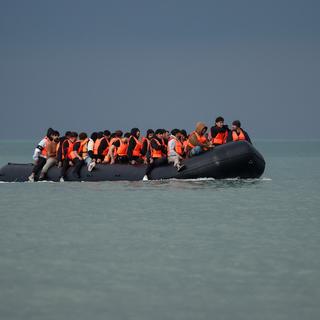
[232, 160]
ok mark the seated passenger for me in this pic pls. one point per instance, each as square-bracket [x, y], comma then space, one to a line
[91, 143]
[67, 148]
[79, 155]
[184, 140]
[52, 149]
[40, 155]
[197, 141]
[122, 150]
[103, 146]
[175, 149]
[113, 145]
[146, 146]
[134, 147]
[219, 132]
[158, 153]
[237, 133]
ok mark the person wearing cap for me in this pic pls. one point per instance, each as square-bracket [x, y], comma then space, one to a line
[219, 132]
[237, 133]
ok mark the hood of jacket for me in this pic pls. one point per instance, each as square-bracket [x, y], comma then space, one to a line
[199, 127]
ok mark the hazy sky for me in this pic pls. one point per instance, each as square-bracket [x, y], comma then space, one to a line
[92, 65]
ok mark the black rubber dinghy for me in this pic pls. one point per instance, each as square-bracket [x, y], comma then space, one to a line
[232, 160]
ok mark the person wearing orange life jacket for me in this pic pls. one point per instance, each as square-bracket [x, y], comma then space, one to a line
[79, 155]
[115, 141]
[158, 153]
[91, 143]
[59, 152]
[146, 146]
[122, 150]
[96, 145]
[175, 149]
[197, 141]
[67, 149]
[184, 140]
[237, 133]
[134, 147]
[219, 132]
[40, 155]
[103, 146]
[52, 149]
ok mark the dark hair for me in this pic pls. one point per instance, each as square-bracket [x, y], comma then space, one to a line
[219, 119]
[175, 131]
[134, 132]
[106, 133]
[50, 131]
[83, 136]
[159, 131]
[94, 136]
[150, 131]
[127, 135]
[99, 135]
[67, 134]
[56, 133]
[184, 132]
[118, 133]
[73, 134]
[236, 123]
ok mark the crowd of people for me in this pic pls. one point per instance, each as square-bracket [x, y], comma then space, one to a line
[156, 148]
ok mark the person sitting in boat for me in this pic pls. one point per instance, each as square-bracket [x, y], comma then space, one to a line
[91, 143]
[237, 133]
[158, 153]
[59, 152]
[52, 148]
[219, 132]
[146, 146]
[102, 147]
[134, 147]
[175, 149]
[184, 140]
[79, 155]
[114, 143]
[122, 150]
[197, 141]
[40, 155]
[67, 148]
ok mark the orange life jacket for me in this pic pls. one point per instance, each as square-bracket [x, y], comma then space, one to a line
[111, 143]
[137, 149]
[122, 150]
[201, 139]
[82, 150]
[220, 138]
[44, 150]
[236, 137]
[70, 149]
[157, 153]
[178, 147]
[97, 145]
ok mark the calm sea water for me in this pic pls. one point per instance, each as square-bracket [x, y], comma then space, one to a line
[164, 250]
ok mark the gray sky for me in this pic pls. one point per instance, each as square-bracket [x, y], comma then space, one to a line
[92, 65]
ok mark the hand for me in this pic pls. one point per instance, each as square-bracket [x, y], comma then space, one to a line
[71, 163]
[59, 164]
[98, 160]
[133, 162]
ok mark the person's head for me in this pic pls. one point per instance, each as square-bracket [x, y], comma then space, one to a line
[83, 136]
[55, 136]
[176, 132]
[184, 134]
[67, 134]
[106, 133]
[94, 136]
[118, 134]
[127, 135]
[219, 122]
[236, 124]
[159, 133]
[50, 131]
[99, 134]
[73, 136]
[135, 132]
[201, 128]
[166, 134]
[150, 134]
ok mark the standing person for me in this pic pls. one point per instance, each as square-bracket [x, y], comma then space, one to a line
[40, 155]
[52, 148]
[134, 147]
[146, 146]
[197, 141]
[158, 153]
[237, 133]
[175, 149]
[219, 132]
[67, 148]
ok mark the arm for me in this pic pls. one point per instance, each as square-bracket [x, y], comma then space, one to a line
[38, 149]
